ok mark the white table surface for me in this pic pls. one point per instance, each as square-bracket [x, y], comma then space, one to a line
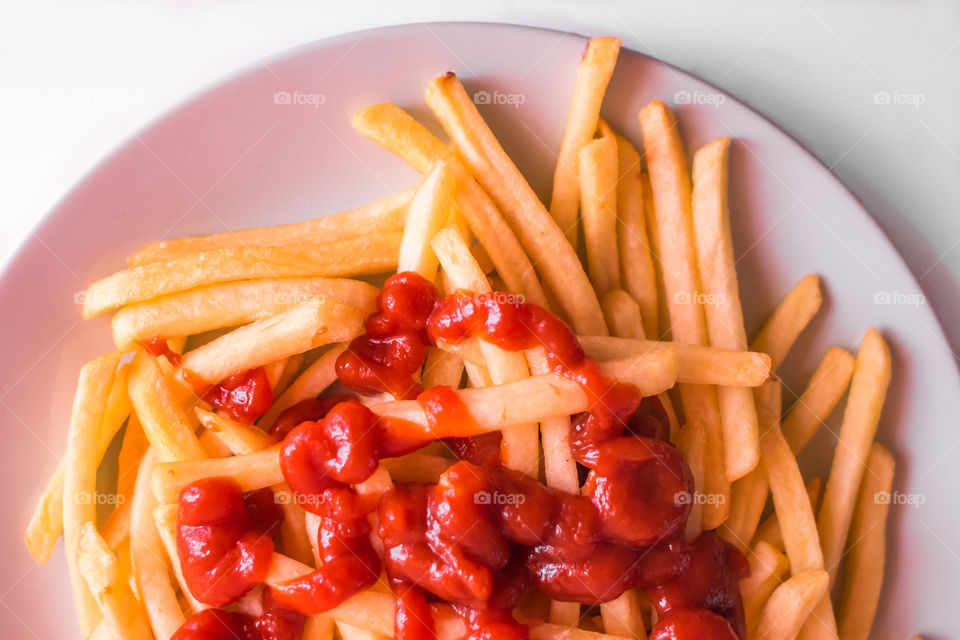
[872, 88]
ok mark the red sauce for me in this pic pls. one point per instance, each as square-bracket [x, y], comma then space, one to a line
[224, 538]
[311, 409]
[157, 347]
[394, 346]
[275, 623]
[244, 396]
[694, 624]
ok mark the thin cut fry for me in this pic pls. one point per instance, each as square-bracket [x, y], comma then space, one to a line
[560, 469]
[866, 555]
[301, 328]
[232, 304]
[165, 517]
[824, 390]
[386, 214]
[767, 567]
[558, 264]
[622, 314]
[791, 316]
[311, 383]
[791, 604]
[394, 129]
[240, 438]
[692, 442]
[80, 473]
[164, 421]
[253, 471]
[429, 211]
[594, 74]
[868, 389]
[769, 529]
[670, 183]
[441, 368]
[598, 193]
[365, 255]
[718, 277]
[624, 616]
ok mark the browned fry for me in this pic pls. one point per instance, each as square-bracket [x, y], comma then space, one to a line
[557, 263]
[366, 255]
[596, 68]
[386, 214]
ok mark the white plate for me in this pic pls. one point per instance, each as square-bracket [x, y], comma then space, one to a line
[239, 155]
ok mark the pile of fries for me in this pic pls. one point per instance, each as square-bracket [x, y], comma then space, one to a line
[634, 252]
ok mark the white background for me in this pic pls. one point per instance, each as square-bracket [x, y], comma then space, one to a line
[872, 88]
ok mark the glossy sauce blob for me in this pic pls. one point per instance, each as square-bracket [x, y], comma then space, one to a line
[274, 623]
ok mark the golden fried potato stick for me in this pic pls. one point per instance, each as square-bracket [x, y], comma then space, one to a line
[441, 368]
[297, 330]
[116, 528]
[782, 328]
[800, 537]
[165, 517]
[769, 529]
[311, 383]
[150, 563]
[598, 194]
[164, 420]
[46, 523]
[791, 604]
[386, 214]
[320, 627]
[366, 255]
[624, 616]
[394, 129]
[252, 471]
[122, 612]
[557, 262]
[80, 474]
[232, 304]
[691, 440]
[429, 212]
[767, 567]
[240, 437]
[718, 279]
[670, 184]
[520, 446]
[593, 76]
[868, 390]
[866, 548]
[823, 391]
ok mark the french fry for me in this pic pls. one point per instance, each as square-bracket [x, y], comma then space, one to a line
[417, 467]
[670, 184]
[441, 368]
[46, 523]
[320, 627]
[560, 469]
[791, 604]
[239, 437]
[294, 331]
[365, 255]
[396, 130]
[165, 517]
[429, 211]
[868, 389]
[348, 632]
[121, 610]
[622, 314]
[150, 566]
[692, 442]
[80, 474]
[788, 320]
[598, 195]
[293, 531]
[558, 265]
[163, 420]
[520, 447]
[767, 567]
[596, 68]
[289, 373]
[718, 277]
[253, 471]
[311, 383]
[636, 252]
[566, 614]
[800, 537]
[386, 214]
[232, 304]
[116, 528]
[769, 529]
[823, 391]
[624, 616]
[866, 554]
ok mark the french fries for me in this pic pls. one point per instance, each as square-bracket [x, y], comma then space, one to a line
[311, 383]
[822, 393]
[866, 548]
[767, 567]
[790, 317]
[791, 604]
[598, 191]
[252, 471]
[868, 389]
[429, 212]
[558, 265]
[594, 74]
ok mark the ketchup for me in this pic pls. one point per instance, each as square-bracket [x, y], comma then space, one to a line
[275, 623]
[157, 347]
[224, 538]
[244, 396]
